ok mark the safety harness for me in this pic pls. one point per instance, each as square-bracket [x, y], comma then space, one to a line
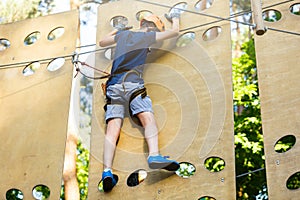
[141, 91]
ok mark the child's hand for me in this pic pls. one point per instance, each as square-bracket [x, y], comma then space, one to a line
[126, 28]
[172, 15]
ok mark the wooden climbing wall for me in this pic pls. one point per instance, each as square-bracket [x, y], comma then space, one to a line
[191, 89]
[34, 102]
[278, 59]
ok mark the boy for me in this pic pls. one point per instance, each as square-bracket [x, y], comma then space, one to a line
[125, 87]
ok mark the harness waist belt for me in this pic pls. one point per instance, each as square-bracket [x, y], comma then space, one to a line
[142, 92]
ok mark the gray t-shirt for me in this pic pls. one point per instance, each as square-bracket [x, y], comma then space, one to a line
[130, 56]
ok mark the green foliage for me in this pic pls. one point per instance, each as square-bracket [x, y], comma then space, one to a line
[82, 171]
[293, 182]
[186, 170]
[247, 124]
[41, 192]
[272, 16]
[14, 194]
[207, 198]
[214, 164]
[296, 12]
[242, 5]
[285, 144]
[82, 165]
[15, 10]
[280, 148]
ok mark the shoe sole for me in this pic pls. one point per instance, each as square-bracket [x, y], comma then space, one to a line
[108, 183]
[173, 166]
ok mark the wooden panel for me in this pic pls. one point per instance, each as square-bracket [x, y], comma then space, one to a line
[278, 61]
[191, 90]
[34, 109]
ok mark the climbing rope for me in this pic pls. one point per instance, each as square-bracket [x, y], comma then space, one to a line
[219, 19]
[87, 70]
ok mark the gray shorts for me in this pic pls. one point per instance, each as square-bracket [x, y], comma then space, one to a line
[120, 94]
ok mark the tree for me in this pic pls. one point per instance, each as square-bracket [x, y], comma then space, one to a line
[240, 12]
[16, 10]
[70, 189]
[247, 118]
[247, 125]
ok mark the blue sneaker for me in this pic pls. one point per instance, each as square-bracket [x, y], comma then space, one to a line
[161, 162]
[109, 181]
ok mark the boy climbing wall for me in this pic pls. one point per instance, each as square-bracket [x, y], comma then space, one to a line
[125, 88]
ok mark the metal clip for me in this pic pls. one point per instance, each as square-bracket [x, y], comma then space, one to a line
[75, 57]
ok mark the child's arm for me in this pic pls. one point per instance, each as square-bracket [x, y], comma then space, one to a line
[173, 32]
[109, 39]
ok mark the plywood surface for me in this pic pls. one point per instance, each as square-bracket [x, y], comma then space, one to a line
[278, 69]
[34, 109]
[192, 99]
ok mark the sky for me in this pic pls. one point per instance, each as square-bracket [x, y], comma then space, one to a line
[61, 6]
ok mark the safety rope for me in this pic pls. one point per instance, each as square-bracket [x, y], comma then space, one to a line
[77, 63]
[21, 64]
[247, 173]
[283, 31]
[197, 13]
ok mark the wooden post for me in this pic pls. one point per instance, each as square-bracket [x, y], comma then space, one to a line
[257, 17]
